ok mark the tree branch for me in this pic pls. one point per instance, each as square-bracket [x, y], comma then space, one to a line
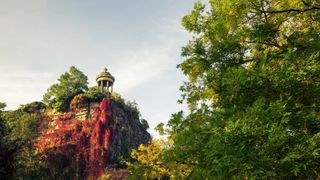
[263, 11]
[292, 10]
[305, 3]
[265, 43]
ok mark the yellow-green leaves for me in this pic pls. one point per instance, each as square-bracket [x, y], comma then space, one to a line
[149, 163]
[192, 22]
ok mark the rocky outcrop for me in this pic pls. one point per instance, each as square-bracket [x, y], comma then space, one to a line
[129, 132]
[87, 147]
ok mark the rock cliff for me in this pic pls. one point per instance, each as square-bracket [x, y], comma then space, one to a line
[129, 132]
[79, 148]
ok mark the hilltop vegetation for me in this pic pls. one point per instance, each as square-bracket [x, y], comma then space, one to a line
[70, 84]
[42, 140]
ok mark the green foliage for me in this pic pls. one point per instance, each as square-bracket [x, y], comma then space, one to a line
[132, 107]
[145, 124]
[23, 127]
[129, 106]
[22, 130]
[82, 100]
[70, 84]
[161, 129]
[148, 163]
[2, 106]
[94, 95]
[253, 91]
[79, 101]
[32, 107]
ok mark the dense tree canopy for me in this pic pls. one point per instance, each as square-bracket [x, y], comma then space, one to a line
[148, 163]
[21, 131]
[253, 90]
[32, 107]
[70, 84]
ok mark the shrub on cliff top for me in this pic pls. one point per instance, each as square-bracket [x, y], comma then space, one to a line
[70, 84]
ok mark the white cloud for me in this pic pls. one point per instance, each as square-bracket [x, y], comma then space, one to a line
[18, 88]
[139, 67]
[149, 61]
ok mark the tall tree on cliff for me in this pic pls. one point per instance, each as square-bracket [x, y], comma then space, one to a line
[253, 90]
[70, 84]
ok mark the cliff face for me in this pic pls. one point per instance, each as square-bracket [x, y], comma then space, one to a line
[129, 132]
[85, 147]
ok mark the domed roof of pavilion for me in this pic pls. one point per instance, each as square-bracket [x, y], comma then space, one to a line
[105, 75]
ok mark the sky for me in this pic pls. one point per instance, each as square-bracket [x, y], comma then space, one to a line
[139, 41]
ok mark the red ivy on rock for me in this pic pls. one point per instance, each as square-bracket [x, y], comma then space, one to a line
[85, 142]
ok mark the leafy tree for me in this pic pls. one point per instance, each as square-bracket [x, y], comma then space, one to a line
[70, 84]
[32, 107]
[148, 163]
[22, 130]
[2, 106]
[22, 126]
[253, 69]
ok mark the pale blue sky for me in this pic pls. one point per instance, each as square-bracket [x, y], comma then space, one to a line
[139, 41]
